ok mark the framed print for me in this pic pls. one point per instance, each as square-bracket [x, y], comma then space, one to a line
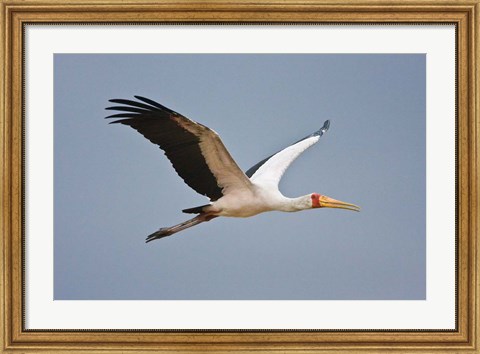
[372, 108]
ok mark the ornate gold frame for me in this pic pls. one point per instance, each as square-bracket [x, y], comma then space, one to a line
[464, 14]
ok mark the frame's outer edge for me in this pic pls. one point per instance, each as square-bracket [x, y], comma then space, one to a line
[475, 183]
[3, 157]
[5, 181]
[14, 338]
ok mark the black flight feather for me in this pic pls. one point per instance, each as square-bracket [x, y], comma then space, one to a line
[156, 104]
[120, 115]
[133, 103]
[128, 109]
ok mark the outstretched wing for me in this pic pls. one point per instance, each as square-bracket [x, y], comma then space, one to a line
[269, 171]
[195, 151]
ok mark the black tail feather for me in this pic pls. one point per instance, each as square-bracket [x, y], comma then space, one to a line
[195, 210]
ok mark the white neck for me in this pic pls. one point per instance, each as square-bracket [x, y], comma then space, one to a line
[296, 204]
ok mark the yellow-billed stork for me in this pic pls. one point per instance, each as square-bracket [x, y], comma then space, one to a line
[200, 158]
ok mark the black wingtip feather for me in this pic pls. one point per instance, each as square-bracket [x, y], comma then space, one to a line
[153, 103]
[139, 107]
[127, 109]
[326, 125]
[134, 104]
[323, 129]
[123, 115]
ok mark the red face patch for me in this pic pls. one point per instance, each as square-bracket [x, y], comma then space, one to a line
[316, 200]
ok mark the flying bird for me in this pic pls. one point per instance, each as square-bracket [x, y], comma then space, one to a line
[203, 162]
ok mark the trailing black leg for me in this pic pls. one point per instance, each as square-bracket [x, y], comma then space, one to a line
[167, 231]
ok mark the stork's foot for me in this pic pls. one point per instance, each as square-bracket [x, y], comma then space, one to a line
[163, 232]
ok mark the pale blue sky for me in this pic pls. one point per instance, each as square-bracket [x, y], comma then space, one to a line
[113, 187]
